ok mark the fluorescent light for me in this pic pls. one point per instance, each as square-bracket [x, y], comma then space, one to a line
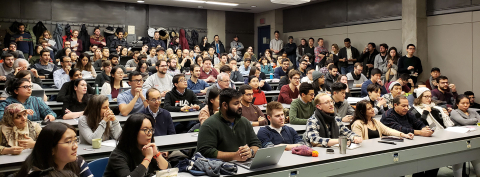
[221, 3]
[194, 1]
[254, 6]
[140, 1]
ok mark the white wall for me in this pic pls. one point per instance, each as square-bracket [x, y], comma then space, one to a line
[216, 26]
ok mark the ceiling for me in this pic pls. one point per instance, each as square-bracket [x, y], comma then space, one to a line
[261, 5]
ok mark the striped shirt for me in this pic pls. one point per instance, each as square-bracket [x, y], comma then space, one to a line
[40, 108]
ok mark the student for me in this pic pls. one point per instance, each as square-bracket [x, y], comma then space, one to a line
[180, 98]
[143, 69]
[245, 68]
[217, 139]
[194, 83]
[223, 82]
[347, 57]
[278, 134]
[223, 61]
[156, 41]
[163, 119]
[290, 92]
[258, 94]
[266, 67]
[368, 58]
[357, 76]
[404, 80]
[319, 83]
[369, 128]
[395, 89]
[132, 100]
[471, 97]
[324, 128]
[375, 78]
[20, 91]
[342, 107]
[462, 115]
[208, 74]
[379, 104]
[213, 55]
[7, 66]
[136, 153]
[105, 75]
[27, 75]
[85, 65]
[301, 109]
[303, 68]
[331, 76]
[309, 77]
[23, 41]
[432, 81]
[98, 121]
[310, 51]
[75, 73]
[225, 69]
[113, 86]
[15, 122]
[250, 111]
[410, 64]
[56, 147]
[389, 68]
[97, 65]
[212, 106]
[75, 103]
[235, 74]
[343, 79]
[261, 83]
[60, 76]
[44, 67]
[281, 71]
[401, 119]
[172, 67]
[445, 94]
[327, 64]
[217, 45]
[161, 80]
[425, 110]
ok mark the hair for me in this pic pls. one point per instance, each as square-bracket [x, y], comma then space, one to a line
[336, 47]
[193, 66]
[396, 100]
[384, 45]
[293, 73]
[134, 73]
[418, 100]
[41, 156]
[226, 95]
[305, 88]
[339, 77]
[207, 59]
[225, 68]
[311, 38]
[140, 64]
[250, 78]
[22, 74]
[63, 58]
[197, 59]
[459, 98]
[14, 84]
[273, 105]
[373, 88]
[375, 71]
[141, 56]
[247, 59]
[105, 63]
[212, 94]
[176, 79]
[243, 88]
[79, 65]
[92, 113]
[44, 51]
[17, 62]
[252, 71]
[469, 93]
[372, 44]
[394, 59]
[127, 142]
[7, 56]
[361, 111]
[72, 72]
[404, 76]
[150, 91]
[113, 55]
[276, 32]
[35, 50]
[112, 76]
[221, 76]
[338, 87]
[410, 45]
[331, 67]
[317, 98]
[441, 78]
[346, 40]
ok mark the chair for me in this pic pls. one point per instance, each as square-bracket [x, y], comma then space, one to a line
[97, 167]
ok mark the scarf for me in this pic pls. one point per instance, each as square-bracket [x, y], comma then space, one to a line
[325, 121]
[356, 77]
[430, 119]
[13, 134]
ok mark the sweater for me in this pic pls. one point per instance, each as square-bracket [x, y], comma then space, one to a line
[405, 124]
[301, 111]
[236, 76]
[121, 163]
[163, 121]
[343, 108]
[25, 45]
[446, 99]
[287, 95]
[278, 73]
[269, 136]
[102, 78]
[174, 101]
[359, 81]
[107, 89]
[213, 72]
[405, 62]
[360, 128]
[162, 84]
[460, 118]
[365, 84]
[39, 107]
[259, 96]
[216, 135]
[87, 134]
[252, 113]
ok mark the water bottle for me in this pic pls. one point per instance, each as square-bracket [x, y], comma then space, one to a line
[271, 76]
[96, 90]
[342, 140]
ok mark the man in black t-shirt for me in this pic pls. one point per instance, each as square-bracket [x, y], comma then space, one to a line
[410, 64]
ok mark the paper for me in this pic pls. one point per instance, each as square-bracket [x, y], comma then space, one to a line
[73, 43]
[86, 75]
[52, 42]
[458, 129]
[109, 143]
[131, 29]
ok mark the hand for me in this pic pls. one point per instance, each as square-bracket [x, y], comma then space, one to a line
[261, 119]
[357, 140]
[369, 65]
[445, 111]
[50, 117]
[409, 135]
[389, 65]
[382, 102]
[67, 69]
[185, 108]
[26, 143]
[29, 56]
[343, 60]
[3, 78]
[196, 107]
[245, 152]
[147, 151]
[449, 110]
[138, 92]
[17, 70]
[5, 49]
[203, 91]
[347, 118]
[30, 112]
[411, 82]
[103, 43]
[163, 94]
[262, 83]
[410, 68]
[426, 131]
[427, 108]
[67, 111]
[35, 72]
[453, 88]
[15, 150]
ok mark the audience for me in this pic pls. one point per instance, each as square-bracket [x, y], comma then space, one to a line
[290, 92]
[249, 110]
[27, 75]
[119, 40]
[258, 94]
[276, 45]
[217, 137]
[343, 79]
[132, 100]
[309, 50]
[303, 68]
[161, 80]
[309, 77]
[181, 99]
[432, 81]
[357, 76]
[301, 109]
[389, 68]
[12, 47]
[403, 80]
[342, 107]
[331, 76]
[261, 83]
[368, 58]
[375, 78]
[379, 103]
[86, 66]
[445, 94]
[212, 105]
[426, 111]
[462, 115]
[403, 120]
[75, 103]
[245, 68]
[235, 74]
[410, 64]
[98, 121]
[60, 76]
[23, 41]
[44, 68]
[65, 90]
[115, 84]
[163, 119]
[281, 71]
[23, 65]
[380, 59]
[208, 73]
[223, 82]
[223, 61]
[471, 97]
[194, 83]
[172, 67]
[266, 67]
[105, 56]
[97, 39]
[348, 55]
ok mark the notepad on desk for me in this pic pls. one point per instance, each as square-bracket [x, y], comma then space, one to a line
[110, 143]
[465, 129]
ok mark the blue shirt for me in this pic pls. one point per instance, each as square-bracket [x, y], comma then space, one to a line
[243, 70]
[40, 108]
[197, 87]
[365, 84]
[60, 78]
[270, 137]
[125, 98]
[163, 121]
[279, 73]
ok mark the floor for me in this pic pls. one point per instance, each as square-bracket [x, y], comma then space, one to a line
[447, 172]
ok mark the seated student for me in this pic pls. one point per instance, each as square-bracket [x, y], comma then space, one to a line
[403, 80]
[425, 110]
[284, 80]
[471, 97]
[136, 153]
[331, 76]
[319, 83]
[375, 78]
[217, 137]
[97, 65]
[379, 103]
[324, 128]
[23, 65]
[60, 76]
[75, 103]
[7, 66]
[61, 143]
[212, 106]
[395, 89]
[281, 71]
[15, 122]
[161, 80]
[261, 75]
[132, 100]
[194, 83]
[369, 128]
[75, 73]
[62, 53]
[343, 79]
[432, 81]
[116, 82]
[245, 68]
[223, 82]
[20, 91]
[261, 83]
[258, 94]
[342, 107]
[208, 74]
[143, 69]
[27, 75]
[290, 92]
[163, 119]
[278, 134]
[301, 109]
[115, 62]
[172, 69]
[86, 66]
[445, 94]
[303, 68]
[105, 75]
[235, 74]
[411, 97]
[98, 121]
[357, 76]
[401, 119]
[309, 77]
[250, 111]
[266, 67]
[223, 61]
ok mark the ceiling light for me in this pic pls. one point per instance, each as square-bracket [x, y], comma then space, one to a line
[140, 1]
[200, 7]
[290, 2]
[194, 1]
[254, 6]
[221, 3]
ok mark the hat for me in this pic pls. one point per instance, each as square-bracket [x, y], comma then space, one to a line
[316, 75]
[13, 109]
[419, 91]
[435, 69]
[390, 87]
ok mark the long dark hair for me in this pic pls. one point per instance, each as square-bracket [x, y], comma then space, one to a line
[41, 156]
[214, 93]
[14, 84]
[127, 142]
[361, 111]
[460, 97]
[73, 95]
[253, 70]
[79, 64]
[395, 59]
[92, 112]
[140, 63]
[112, 77]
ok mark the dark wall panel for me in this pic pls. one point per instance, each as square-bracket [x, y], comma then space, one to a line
[88, 11]
[136, 15]
[373, 9]
[164, 16]
[314, 16]
[241, 24]
[435, 5]
[10, 9]
[39, 10]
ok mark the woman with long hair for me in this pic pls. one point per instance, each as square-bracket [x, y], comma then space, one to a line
[365, 125]
[56, 148]
[428, 112]
[175, 44]
[77, 47]
[258, 94]
[204, 45]
[98, 121]
[143, 69]
[27, 75]
[116, 82]
[266, 66]
[389, 69]
[75, 103]
[136, 153]
[85, 65]
[212, 106]
[97, 55]
[106, 73]
[268, 55]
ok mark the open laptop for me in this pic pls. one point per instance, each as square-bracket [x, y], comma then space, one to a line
[38, 93]
[263, 157]
[350, 83]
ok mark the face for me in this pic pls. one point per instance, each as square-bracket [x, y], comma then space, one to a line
[173, 64]
[376, 77]
[77, 75]
[20, 120]
[66, 149]
[333, 72]
[145, 48]
[224, 59]
[21, 28]
[74, 56]
[155, 99]
[427, 97]
[98, 52]
[411, 50]
[199, 61]
[105, 53]
[463, 104]
[125, 51]
[347, 44]
[382, 49]
[224, 82]
[374, 95]
[12, 47]
[211, 50]
[310, 74]
[396, 90]
[177, 40]
[358, 69]
[248, 96]
[435, 74]
[23, 66]
[25, 89]
[247, 63]
[216, 38]
[119, 74]
[216, 102]
[9, 62]
[402, 108]
[182, 83]
[234, 108]
[75, 34]
[370, 47]
[45, 56]
[81, 88]
[145, 134]
[304, 42]
[234, 50]
[285, 65]
[303, 65]
[84, 61]
[144, 67]
[309, 97]
[277, 119]
[46, 35]
[343, 79]
[320, 42]
[471, 98]
[393, 53]
[267, 53]
[326, 104]
[105, 107]
[340, 95]
[233, 64]
[192, 53]
[97, 32]
[310, 42]
[137, 81]
[250, 50]
[120, 35]
[443, 84]
[259, 67]
[44, 44]
[277, 35]
[68, 51]
[370, 111]
[156, 36]
[197, 49]
[196, 72]
[115, 60]
[108, 68]
[162, 68]
[321, 80]
[39, 48]
[264, 61]
[67, 62]
[67, 44]
[295, 80]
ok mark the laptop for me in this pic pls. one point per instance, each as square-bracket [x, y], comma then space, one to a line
[264, 157]
[38, 93]
[350, 83]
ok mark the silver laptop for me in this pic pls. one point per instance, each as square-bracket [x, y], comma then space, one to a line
[38, 93]
[350, 83]
[263, 157]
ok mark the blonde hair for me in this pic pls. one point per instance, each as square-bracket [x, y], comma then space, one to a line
[169, 51]
[317, 100]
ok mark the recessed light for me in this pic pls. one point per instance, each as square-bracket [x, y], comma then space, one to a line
[221, 3]
[140, 1]
[254, 6]
[194, 1]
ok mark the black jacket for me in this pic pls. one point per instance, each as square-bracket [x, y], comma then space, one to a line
[101, 79]
[194, 37]
[123, 163]
[329, 80]
[38, 30]
[207, 46]
[236, 76]
[222, 48]
[366, 58]
[343, 54]
[116, 42]
[83, 35]
[174, 101]
[65, 91]
[290, 49]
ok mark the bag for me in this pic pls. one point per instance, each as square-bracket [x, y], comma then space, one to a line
[171, 172]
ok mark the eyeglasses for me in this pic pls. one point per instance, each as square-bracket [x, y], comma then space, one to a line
[137, 81]
[329, 102]
[155, 100]
[148, 131]
[312, 95]
[72, 142]
[26, 86]
[295, 78]
[182, 80]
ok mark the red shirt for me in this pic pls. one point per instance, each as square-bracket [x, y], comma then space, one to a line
[213, 72]
[286, 95]
[259, 96]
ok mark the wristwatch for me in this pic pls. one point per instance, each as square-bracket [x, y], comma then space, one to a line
[252, 152]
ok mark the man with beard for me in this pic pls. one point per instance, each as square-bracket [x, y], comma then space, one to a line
[331, 76]
[61, 76]
[218, 138]
[7, 66]
[172, 67]
[161, 81]
[250, 111]
[194, 83]
[380, 59]
[132, 64]
[118, 40]
[114, 59]
[357, 76]
[324, 127]
[445, 94]
[281, 71]
[24, 41]
[207, 73]
[368, 58]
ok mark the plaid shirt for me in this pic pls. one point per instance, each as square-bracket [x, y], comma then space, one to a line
[311, 134]
[318, 50]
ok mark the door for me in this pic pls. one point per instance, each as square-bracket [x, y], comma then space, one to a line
[263, 39]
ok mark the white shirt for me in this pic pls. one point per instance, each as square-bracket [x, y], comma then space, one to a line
[277, 129]
[349, 54]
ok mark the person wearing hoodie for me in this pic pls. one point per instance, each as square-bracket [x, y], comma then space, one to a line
[237, 45]
[24, 41]
[218, 45]
[331, 76]
[368, 58]
[119, 40]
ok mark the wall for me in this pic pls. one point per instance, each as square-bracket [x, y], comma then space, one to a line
[270, 19]
[241, 24]
[216, 25]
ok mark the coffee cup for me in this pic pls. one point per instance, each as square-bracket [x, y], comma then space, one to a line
[96, 143]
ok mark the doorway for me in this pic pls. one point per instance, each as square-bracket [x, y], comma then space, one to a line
[263, 39]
